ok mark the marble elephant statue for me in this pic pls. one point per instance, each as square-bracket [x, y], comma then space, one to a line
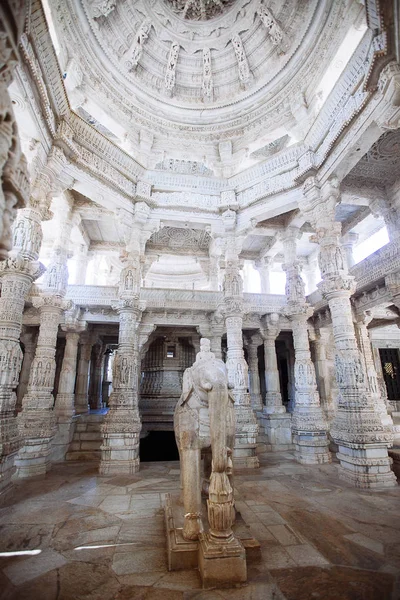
[205, 418]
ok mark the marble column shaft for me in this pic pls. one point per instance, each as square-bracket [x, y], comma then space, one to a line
[82, 380]
[246, 423]
[36, 421]
[64, 407]
[322, 373]
[254, 374]
[95, 397]
[29, 340]
[17, 274]
[65, 400]
[122, 426]
[309, 425]
[357, 428]
[372, 376]
[273, 397]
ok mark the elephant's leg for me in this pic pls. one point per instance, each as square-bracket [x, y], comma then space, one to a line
[191, 478]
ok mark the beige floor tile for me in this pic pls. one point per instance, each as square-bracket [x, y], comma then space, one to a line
[306, 556]
[366, 542]
[30, 568]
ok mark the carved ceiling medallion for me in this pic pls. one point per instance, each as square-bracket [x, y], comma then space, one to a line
[199, 10]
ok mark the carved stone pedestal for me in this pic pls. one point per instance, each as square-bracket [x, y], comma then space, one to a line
[120, 451]
[277, 431]
[244, 452]
[221, 565]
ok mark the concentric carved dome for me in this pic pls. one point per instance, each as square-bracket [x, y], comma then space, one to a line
[178, 83]
[199, 10]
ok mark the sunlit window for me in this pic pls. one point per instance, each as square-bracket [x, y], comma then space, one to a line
[371, 245]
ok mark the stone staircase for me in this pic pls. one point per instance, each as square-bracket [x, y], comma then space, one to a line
[87, 438]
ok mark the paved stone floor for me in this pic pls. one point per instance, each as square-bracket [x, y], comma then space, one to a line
[103, 538]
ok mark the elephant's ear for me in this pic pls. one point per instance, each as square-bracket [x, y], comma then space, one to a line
[185, 396]
[231, 397]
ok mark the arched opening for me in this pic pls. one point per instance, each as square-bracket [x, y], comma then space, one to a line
[158, 446]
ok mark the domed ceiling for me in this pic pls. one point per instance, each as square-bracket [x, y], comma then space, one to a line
[196, 79]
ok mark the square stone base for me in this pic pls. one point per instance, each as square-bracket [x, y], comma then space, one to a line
[182, 554]
[221, 565]
[367, 467]
[277, 431]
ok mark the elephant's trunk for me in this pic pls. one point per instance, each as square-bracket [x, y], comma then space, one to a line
[218, 401]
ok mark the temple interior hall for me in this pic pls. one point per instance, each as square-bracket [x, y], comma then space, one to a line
[199, 299]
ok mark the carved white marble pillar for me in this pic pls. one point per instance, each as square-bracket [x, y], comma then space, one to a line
[95, 399]
[246, 423]
[17, 274]
[274, 420]
[64, 407]
[254, 375]
[310, 270]
[215, 251]
[121, 427]
[386, 208]
[309, 426]
[14, 176]
[29, 340]
[321, 339]
[82, 380]
[81, 265]
[213, 331]
[372, 377]
[273, 397]
[349, 240]
[308, 422]
[264, 266]
[357, 428]
[36, 421]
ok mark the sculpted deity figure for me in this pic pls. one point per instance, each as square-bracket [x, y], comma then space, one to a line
[204, 418]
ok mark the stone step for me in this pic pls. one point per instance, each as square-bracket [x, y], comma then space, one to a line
[87, 438]
[83, 456]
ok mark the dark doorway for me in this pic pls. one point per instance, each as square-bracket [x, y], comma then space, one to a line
[391, 371]
[158, 446]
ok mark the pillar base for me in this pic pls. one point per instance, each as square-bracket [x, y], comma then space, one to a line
[7, 470]
[119, 454]
[245, 450]
[312, 449]
[277, 431]
[221, 565]
[244, 457]
[256, 401]
[63, 437]
[34, 458]
[366, 468]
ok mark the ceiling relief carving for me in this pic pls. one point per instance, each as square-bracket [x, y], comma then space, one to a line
[165, 79]
[381, 164]
[199, 10]
[176, 238]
